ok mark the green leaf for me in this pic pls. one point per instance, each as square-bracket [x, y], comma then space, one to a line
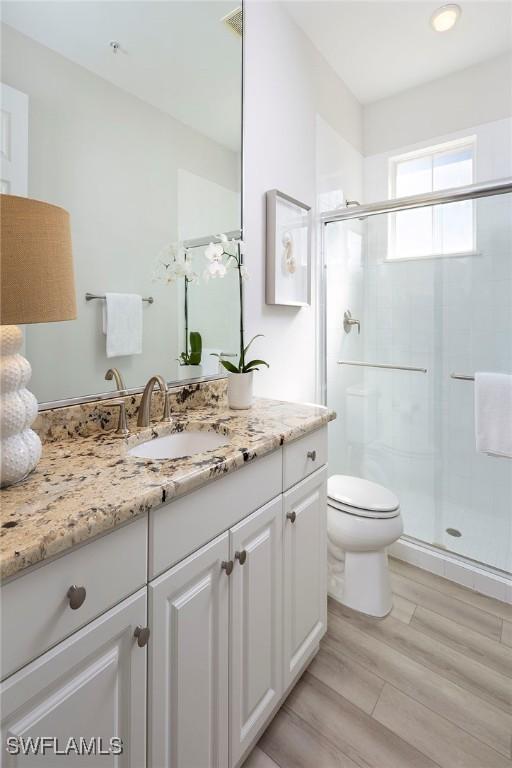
[251, 341]
[229, 366]
[253, 364]
[196, 348]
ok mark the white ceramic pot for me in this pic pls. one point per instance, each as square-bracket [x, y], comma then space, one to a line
[190, 371]
[240, 390]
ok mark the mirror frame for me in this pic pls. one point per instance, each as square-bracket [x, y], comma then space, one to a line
[237, 234]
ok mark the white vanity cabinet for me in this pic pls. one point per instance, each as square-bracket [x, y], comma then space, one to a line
[188, 661]
[256, 624]
[235, 581]
[304, 576]
[92, 685]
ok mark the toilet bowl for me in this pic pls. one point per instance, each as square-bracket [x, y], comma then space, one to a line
[363, 518]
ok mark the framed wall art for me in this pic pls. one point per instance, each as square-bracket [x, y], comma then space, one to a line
[288, 267]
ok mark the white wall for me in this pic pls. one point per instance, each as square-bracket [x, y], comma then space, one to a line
[287, 85]
[113, 162]
[472, 96]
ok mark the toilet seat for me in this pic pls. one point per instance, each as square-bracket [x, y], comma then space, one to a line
[362, 498]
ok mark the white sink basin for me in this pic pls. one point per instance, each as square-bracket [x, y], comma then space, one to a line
[178, 444]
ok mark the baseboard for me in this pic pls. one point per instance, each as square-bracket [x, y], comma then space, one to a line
[456, 569]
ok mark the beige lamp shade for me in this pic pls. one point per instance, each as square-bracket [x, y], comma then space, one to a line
[36, 262]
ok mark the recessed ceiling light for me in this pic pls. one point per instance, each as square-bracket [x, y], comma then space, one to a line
[445, 17]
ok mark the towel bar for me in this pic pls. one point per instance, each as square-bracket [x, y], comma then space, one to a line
[382, 365]
[91, 296]
[461, 376]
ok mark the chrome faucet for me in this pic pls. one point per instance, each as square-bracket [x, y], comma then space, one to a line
[145, 402]
[114, 373]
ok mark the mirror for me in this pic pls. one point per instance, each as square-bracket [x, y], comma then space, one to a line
[128, 115]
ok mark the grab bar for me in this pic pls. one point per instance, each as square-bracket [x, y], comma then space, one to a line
[382, 365]
[465, 376]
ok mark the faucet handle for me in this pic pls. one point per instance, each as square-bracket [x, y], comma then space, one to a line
[349, 321]
[122, 423]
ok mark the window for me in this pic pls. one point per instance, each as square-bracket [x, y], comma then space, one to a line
[441, 230]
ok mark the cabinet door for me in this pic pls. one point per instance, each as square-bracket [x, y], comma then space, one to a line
[305, 563]
[256, 624]
[90, 686]
[188, 662]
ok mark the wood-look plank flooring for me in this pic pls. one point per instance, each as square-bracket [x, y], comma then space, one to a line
[429, 686]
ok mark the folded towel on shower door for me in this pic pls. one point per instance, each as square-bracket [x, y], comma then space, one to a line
[122, 324]
[493, 413]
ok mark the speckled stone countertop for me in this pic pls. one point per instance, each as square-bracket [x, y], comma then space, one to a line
[86, 485]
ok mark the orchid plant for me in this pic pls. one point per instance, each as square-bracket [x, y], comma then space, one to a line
[221, 256]
[174, 264]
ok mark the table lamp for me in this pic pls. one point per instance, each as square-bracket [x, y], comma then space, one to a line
[37, 286]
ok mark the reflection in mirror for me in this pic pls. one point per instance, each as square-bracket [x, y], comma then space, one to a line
[133, 117]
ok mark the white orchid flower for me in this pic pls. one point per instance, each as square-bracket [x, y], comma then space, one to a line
[244, 274]
[214, 269]
[223, 238]
[214, 252]
[173, 264]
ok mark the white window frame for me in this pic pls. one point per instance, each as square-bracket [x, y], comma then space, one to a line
[467, 142]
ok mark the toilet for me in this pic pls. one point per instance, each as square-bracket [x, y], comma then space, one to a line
[363, 518]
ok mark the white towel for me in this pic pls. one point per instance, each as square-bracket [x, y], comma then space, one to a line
[493, 413]
[122, 324]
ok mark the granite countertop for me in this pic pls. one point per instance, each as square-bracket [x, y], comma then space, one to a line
[84, 486]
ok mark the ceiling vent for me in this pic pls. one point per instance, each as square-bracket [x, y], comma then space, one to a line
[234, 20]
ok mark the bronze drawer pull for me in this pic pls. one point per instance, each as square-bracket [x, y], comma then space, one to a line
[241, 556]
[312, 455]
[76, 596]
[142, 634]
[291, 516]
[227, 565]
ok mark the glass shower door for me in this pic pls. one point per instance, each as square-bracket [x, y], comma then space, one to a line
[414, 431]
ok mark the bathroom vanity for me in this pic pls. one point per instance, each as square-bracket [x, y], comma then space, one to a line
[169, 603]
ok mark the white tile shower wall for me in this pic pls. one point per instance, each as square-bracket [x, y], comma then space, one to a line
[451, 314]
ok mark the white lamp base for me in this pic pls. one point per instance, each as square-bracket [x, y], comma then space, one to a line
[20, 446]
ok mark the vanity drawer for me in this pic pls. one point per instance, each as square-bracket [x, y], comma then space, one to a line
[36, 611]
[304, 456]
[183, 526]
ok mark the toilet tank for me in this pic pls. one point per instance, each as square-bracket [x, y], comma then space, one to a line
[361, 414]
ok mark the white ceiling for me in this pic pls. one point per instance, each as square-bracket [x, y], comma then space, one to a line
[382, 48]
[177, 56]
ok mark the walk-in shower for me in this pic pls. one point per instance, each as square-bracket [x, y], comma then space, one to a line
[429, 280]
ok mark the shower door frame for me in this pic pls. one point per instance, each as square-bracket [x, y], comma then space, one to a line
[469, 192]
[454, 195]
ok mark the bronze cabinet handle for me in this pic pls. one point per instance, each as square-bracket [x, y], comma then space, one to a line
[291, 516]
[227, 565]
[312, 455]
[142, 634]
[76, 596]
[241, 556]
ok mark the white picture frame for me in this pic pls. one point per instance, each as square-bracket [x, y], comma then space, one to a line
[288, 262]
